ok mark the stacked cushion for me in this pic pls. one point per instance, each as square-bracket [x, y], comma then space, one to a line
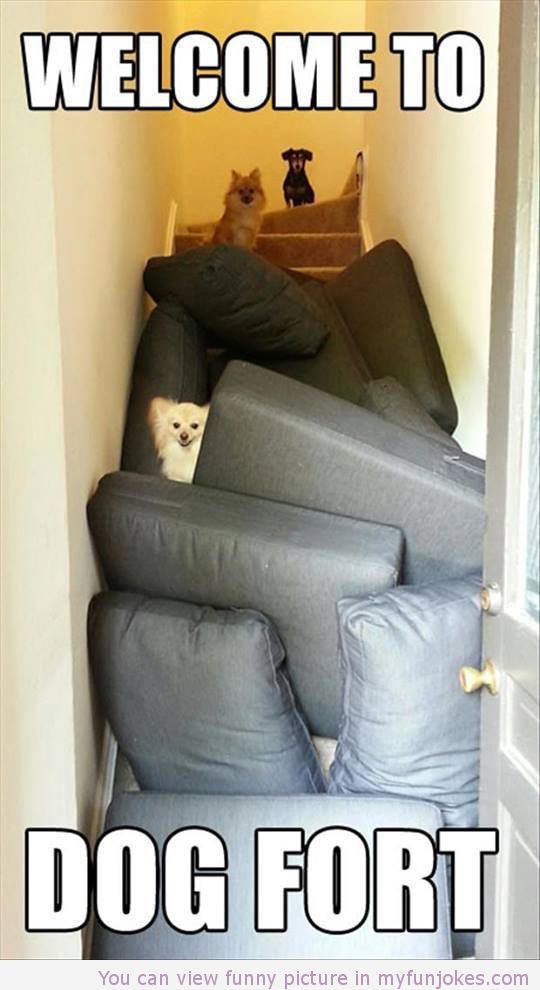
[236, 819]
[198, 698]
[244, 301]
[280, 439]
[391, 400]
[212, 547]
[338, 367]
[381, 301]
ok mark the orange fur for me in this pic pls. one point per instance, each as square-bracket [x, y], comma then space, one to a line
[244, 203]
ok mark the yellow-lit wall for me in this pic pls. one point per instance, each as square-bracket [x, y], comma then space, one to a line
[430, 184]
[220, 139]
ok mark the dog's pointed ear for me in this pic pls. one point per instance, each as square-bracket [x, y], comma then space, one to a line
[255, 174]
[234, 175]
[286, 154]
[308, 155]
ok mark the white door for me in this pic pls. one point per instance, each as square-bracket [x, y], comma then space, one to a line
[510, 718]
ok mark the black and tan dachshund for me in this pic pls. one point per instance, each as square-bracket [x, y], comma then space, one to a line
[296, 188]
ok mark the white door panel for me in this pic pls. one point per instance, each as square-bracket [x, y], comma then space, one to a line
[510, 718]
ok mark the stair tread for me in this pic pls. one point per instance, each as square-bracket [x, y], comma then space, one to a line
[323, 273]
[343, 205]
[345, 235]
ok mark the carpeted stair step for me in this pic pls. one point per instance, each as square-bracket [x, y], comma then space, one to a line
[186, 241]
[321, 274]
[331, 215]
[309, 250]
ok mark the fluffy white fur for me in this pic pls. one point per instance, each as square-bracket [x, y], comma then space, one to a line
[177, 429]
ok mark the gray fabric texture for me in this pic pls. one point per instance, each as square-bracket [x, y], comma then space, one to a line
[271, 437]
[408, 728]
[381, 302]
[211, 547]
[236, 819]
[198, 698]
[170, 362]
[391, 400]
[338, 368]
[241, 299]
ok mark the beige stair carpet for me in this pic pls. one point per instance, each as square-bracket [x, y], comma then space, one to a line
[318, 240]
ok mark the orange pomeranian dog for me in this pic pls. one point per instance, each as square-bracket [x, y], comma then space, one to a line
[244, 203]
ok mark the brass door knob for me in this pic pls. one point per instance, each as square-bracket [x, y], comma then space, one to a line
[491, 599]
[472, 679]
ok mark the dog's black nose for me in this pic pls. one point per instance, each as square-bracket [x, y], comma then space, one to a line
[184, 436]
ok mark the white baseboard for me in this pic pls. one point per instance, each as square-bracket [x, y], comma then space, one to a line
[104, 789]
[367, 236]
[171, 228]
[104, 793]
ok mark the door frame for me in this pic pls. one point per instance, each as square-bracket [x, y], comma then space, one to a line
[509, 640]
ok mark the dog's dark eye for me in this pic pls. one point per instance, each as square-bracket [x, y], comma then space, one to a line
[176, 426]
[194, 426]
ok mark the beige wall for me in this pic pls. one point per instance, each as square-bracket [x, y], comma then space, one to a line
[114, 178]
[430, 184]
[86, 202]
[220, 139]
[37, 725]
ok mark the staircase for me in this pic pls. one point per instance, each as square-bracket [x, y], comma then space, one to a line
[318, 240]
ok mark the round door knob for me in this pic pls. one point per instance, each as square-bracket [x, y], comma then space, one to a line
[472, 679]
[491, 599]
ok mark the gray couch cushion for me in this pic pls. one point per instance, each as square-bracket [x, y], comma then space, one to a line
[408, 728]
[381, 302]
[236, 820]
[391, 400]
[198, 698]
[171, 362]
[212, 547]
[245, 302]
[273, 437]
[338, 368]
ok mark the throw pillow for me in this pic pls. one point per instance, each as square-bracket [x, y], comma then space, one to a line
[407, 727]
[198, 698]
[245, 302]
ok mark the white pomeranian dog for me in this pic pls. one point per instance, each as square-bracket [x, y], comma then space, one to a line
[177, 429]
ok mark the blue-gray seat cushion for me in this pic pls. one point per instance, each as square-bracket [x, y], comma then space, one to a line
[381, 301]
[338, 368]
[397, 404]
[198, 698]
[236, 819]
[408, 728]
[280, 439]
[212, 547]
[243, 300]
